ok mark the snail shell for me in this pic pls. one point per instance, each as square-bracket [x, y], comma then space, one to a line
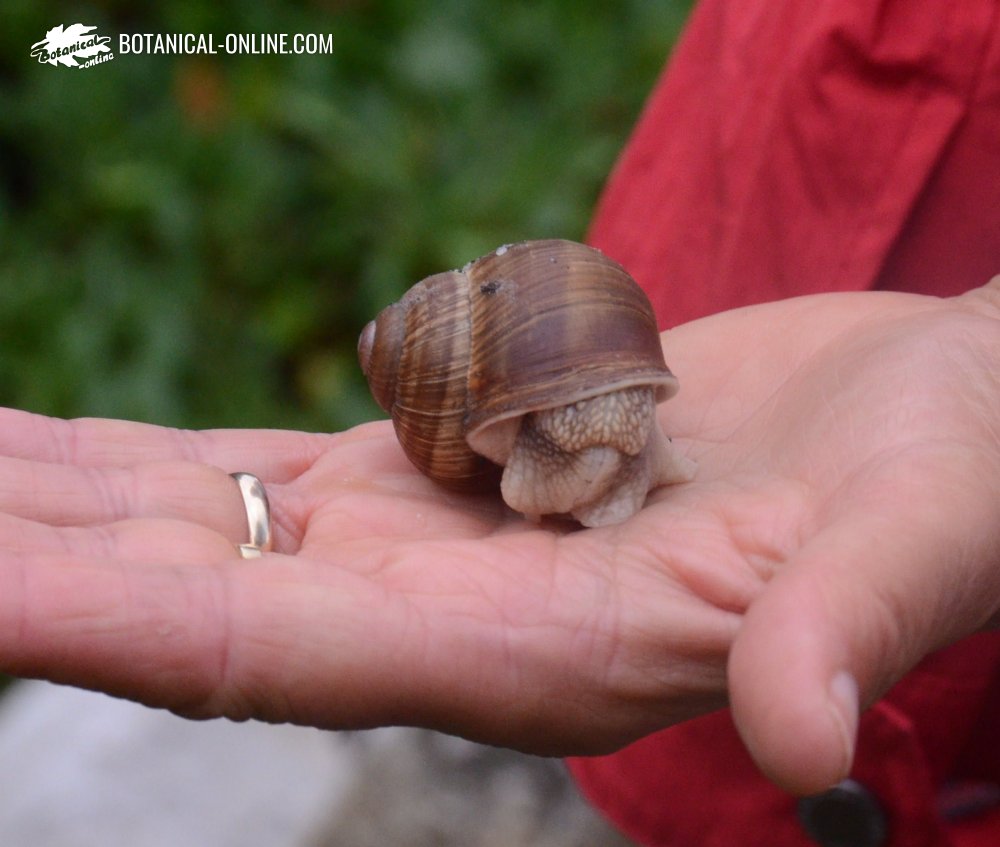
[542, 358]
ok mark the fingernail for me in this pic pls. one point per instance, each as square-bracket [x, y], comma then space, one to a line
[844, 702]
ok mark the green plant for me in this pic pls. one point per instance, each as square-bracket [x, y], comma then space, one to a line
[196, 240]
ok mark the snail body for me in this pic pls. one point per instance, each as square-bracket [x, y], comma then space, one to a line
[541, 358]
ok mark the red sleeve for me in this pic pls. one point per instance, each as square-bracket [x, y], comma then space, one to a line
[790, 148]
[796, 147]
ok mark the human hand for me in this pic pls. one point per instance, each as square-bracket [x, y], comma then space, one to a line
[844, 519]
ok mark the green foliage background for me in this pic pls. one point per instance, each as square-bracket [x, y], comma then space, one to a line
[197, 240]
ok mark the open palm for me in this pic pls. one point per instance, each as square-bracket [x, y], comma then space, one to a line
[843, 522]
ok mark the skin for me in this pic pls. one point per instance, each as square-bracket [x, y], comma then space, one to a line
[844, 521]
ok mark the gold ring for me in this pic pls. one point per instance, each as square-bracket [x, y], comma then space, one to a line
[258, 515]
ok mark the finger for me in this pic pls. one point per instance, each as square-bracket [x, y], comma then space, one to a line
[65, 495]
[168, 541]
[862, 603]
[151, 633]
[283, 639]
[273, 638]
[273, 455]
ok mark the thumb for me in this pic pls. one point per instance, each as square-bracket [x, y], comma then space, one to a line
[849, 614]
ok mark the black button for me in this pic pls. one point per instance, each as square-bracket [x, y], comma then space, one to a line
[848, 815]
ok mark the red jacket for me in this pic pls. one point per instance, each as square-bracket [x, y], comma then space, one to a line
[795, 147]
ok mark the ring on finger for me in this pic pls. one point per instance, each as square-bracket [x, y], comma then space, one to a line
[258, 515]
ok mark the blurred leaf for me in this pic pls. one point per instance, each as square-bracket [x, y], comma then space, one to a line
[198, 240]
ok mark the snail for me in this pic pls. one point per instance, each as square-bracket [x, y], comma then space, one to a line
[541, 358]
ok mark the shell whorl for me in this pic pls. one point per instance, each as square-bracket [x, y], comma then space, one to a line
[576, 325]
[418, 362]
